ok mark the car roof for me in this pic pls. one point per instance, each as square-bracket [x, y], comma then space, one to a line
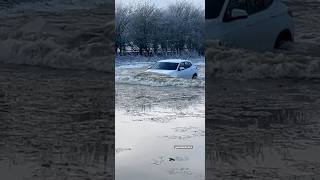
[174, 60]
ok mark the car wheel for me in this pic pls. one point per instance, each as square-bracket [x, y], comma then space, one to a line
[194, 76]
[283, 37]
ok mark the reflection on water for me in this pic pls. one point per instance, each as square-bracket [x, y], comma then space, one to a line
[272, 134]
[150, 122]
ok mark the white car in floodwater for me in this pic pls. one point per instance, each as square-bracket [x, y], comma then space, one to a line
[175, 68]
[253, 24]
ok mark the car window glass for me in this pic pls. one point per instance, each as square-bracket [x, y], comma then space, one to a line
[186, 65]
[234, 4]
[267, 3]
[254, 6]
[213, 8]
[165, 66]
[189, 64]
[182, 64]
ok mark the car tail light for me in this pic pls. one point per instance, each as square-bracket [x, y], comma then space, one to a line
[290, 13]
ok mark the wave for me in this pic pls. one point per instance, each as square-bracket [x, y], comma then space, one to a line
[152, 79]
[73, 39]
[228, 63]
[46, 53]
[51, 5]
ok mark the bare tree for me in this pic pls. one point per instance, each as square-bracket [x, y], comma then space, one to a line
[177, 29]
[122, 15]
[142, 26]
[187, 26]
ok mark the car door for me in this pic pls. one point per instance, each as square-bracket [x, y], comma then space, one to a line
[236, 30]
[193, 70]
[189, 71]
[181, 73]
[277, 19]
[260, 24]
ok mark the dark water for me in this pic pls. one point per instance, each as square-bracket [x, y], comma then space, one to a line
[267, 127]
[263, 129]
[55, 124]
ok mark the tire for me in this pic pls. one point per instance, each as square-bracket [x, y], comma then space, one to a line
[283, 37]
[194, 76]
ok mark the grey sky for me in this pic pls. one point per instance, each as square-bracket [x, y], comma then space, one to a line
[160, 3]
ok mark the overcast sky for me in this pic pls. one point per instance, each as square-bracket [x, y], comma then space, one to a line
[160, 3]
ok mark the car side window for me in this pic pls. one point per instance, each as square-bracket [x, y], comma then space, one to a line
[182, 65]
[186, 65]
[267, 3]
[234, 4]
[255, 6]
[213, 8]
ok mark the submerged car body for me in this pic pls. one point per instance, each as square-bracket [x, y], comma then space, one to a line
[252, 24]
[175, 68]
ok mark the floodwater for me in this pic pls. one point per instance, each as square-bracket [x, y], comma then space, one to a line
[262, 108]
[154, 121]
[263, 129]
[55, 124]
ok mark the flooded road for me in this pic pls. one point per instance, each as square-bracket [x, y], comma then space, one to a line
[263, 108]
[154, 121]
[150, 123]
[55, 124]
[263, 129]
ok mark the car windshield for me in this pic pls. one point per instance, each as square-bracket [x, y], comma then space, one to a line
[165, 66]
[213, 8]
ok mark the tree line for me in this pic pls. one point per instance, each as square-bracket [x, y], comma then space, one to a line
[147, 30]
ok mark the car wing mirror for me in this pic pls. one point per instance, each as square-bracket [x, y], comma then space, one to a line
[239, 14]
[181, 68]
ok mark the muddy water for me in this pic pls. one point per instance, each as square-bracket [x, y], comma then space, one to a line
[55, 124]
[151, 123]
[263, 129]
[262, 108]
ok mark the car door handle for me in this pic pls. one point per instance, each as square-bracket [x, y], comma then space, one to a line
[273, 16]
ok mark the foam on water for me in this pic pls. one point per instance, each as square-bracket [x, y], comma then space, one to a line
[223, 62]
[77, 38]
